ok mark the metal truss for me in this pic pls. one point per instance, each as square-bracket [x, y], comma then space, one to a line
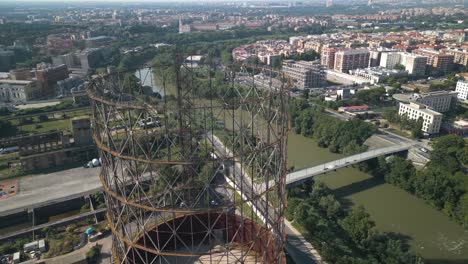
[196, 175]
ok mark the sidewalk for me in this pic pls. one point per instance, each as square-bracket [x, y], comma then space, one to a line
[298, 248]
[79, 256]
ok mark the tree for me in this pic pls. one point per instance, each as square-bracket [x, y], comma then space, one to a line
[43, 118]
[416, 130]
[4, 111]
[399, 67]
[92, 256]
[358, 225]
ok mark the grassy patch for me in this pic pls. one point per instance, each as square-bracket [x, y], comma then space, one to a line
[5, 171]
[63, 124]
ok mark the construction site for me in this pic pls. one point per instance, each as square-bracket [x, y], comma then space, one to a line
[197, 175]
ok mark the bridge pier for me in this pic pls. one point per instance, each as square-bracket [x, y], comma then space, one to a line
[33, 219]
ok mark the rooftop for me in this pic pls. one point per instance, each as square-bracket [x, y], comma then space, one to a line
[21, 82]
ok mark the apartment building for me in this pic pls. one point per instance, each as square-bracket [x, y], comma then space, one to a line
[439, 63]
[432, 120]
[50, 75]
[389, 59]
[374, 58]
[305, 74]
[460, 56]
[440, 101]
[327, 57]
[414, 64]
[462, 90]
[346, 60]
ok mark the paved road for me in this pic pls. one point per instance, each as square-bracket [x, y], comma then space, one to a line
[46, 189]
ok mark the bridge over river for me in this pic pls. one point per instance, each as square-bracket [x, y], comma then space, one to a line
[301, 175]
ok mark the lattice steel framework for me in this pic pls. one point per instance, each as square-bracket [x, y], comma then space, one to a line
[197, 175]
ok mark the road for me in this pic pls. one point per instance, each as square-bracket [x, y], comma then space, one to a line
[41, 190]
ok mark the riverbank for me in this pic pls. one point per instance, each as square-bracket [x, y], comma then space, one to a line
[428, 231]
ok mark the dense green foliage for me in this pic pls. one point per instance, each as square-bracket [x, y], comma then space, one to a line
[371, 96]
[92, 256]
[448, 83]
[404, 122]
[309, 55]
[442, 183]
[7, 129]
[343, 237]
[338, 136]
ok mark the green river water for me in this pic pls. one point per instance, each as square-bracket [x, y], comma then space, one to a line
[429, 233]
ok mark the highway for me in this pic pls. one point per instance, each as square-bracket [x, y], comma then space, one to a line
[46, 189]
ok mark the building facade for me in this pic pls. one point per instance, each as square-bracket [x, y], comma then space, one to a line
[14, 90]
[327, 57]
[49, 76]
[389, 59]
[414, 64]
[460, 56]
[440, 101]
[439, 63]
[347, 60]
[462, 90]
[432, 120]
[305, 74]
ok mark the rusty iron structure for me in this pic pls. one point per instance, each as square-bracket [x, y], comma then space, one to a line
[194, 173]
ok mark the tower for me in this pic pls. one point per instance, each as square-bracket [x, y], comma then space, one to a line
[191, 177]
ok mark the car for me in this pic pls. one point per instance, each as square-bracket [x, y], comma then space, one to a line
[425, 150]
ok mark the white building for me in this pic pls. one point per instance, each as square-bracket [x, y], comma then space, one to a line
[432, 120]
[377, 74]
[440, 101]
[389, 59]
[462, 90]
[19, 90]
[414, 64]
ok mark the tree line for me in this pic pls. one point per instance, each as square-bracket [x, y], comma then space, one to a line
[404, 122]
[343, 237]
[442, 183]
[338, 136]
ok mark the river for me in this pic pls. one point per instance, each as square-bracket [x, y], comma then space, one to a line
[428, 231]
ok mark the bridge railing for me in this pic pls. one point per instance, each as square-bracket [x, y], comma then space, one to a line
[343, 162]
